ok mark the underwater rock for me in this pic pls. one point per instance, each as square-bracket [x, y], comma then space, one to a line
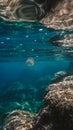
[19, 120]
[56, 14]
[64, 40]
[22, 10]
[57, 111]
[59, 76]
[59, 14]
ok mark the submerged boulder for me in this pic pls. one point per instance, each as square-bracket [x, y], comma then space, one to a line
[57, 14]
[19, 120]
[57, 111]
[22, 10]
[64, 40]
[59, 76]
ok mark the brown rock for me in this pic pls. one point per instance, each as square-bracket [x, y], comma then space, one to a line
[57, 111]
[59, 16]
[19, 120]
[56, 14]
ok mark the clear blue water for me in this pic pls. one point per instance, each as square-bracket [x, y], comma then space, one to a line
[30, 56]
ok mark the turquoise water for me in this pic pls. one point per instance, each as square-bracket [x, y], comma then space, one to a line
[30, 56]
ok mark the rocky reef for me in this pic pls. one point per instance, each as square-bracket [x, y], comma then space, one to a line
[56, 113]
[56, 14]
[22, 10]
[60, 15]
[64, 40]
[19, 120]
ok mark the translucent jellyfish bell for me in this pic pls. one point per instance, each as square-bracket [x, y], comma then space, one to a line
[30, 61]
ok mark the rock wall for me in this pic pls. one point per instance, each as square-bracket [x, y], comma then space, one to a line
[56, 14]
[57, 111]
[59, 16]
